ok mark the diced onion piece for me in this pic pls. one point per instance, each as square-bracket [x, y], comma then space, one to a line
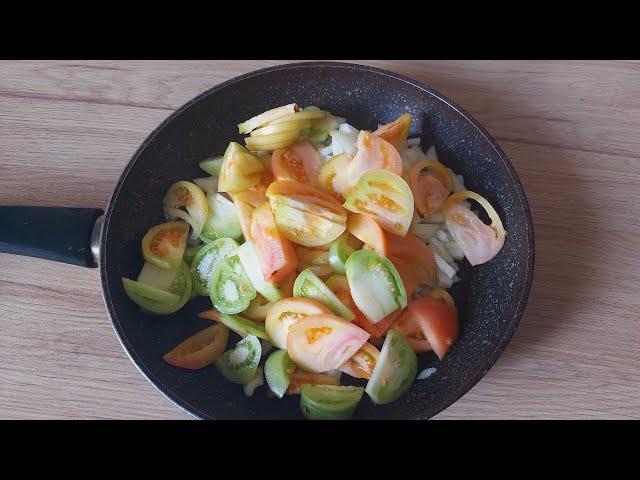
[424, 230]
[426, 373]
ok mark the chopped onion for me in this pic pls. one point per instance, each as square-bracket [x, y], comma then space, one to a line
[327, 151]
[426, 373]
[443, 266]
[439, 248]
[454, 250]
[343, 142]
[431, 154]
[346, 128]
[442, 236]
[424, 230]
[457, 181]
[413, 141]
[435, 218]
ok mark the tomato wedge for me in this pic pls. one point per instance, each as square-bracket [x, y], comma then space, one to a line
[275, 253]
[323, 342]
[285, 313]
[374, 153]
[339, 285]
[431, 190]
[396, 132]
[413, 258]
[438, 322]
[299, 162]
[479, 242]
[301, 377]
[164, 244]
[202, 349]
[333, 176]
[367, 230]
[409, 327]
[362, 363]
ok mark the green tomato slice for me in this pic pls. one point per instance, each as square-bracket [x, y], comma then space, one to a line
[240, 364]
[339, 252]
[157, 300]
[395, 370]
[212, 165]
[278, 370]
[229, 288]
[251, 264]
[222, 221]
[190, 253]
[329, 402]
[309, 285]
[164, 244]
[243, 326]
[376, 286]
[207, 259]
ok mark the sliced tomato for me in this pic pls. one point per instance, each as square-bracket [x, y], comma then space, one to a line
[301, 377]
[316, 260]
[438, 322]
[431, 190]
[384, 196]
[339, 285]
[377, 330]
[285, 313]
[408, 325]
[374, 153]
[323, 342]
[245, 202]
[362, 363]
[240, 170]
[479, 242]
[210, 315]
[286, 286]
[413, 255]
[396, 132]
[164, 244]
[201, 349]
[306, 215]
[334, 176]
[367, 230]
[299, 162]
[275, 253]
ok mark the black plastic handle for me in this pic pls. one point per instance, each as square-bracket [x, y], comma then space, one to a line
[55, 233]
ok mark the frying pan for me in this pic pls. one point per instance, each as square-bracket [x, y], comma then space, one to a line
[491, 298]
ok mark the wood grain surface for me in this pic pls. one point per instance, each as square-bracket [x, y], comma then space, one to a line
[571, 129]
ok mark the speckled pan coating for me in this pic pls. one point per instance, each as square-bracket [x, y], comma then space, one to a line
[491, 298]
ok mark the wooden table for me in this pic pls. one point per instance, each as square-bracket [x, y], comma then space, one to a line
[571, 129]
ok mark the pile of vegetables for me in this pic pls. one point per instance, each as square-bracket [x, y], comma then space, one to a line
[303, 242]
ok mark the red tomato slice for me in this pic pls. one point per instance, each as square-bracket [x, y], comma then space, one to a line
[438, 322]
[201, 349]
[431, 190]
[339, 285]
[408, 326]
[275, 253]
[376, 330]
[415, 255]
[299, 162]
[367, 230]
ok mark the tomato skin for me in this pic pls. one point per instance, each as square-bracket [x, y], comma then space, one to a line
[299, 162]
[414, 258]
[301, 377]
[407, 324]
[362, 363]
[164, 244]
[386, 197]
[377, 330]
[320, 343]
[396, 132]
[284, 313]
[201, 349]
[275, 253]
[367, 230]
[438, 322]
[374, 153]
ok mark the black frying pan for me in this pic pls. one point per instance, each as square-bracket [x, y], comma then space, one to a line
[491, 298]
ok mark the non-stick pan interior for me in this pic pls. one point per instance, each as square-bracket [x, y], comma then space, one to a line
[490, 297]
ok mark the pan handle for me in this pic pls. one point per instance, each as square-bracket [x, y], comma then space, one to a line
[68, 235]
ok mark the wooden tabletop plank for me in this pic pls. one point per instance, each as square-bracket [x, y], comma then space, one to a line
[67, 128]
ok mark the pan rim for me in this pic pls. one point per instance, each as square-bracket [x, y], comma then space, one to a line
[510, 328]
